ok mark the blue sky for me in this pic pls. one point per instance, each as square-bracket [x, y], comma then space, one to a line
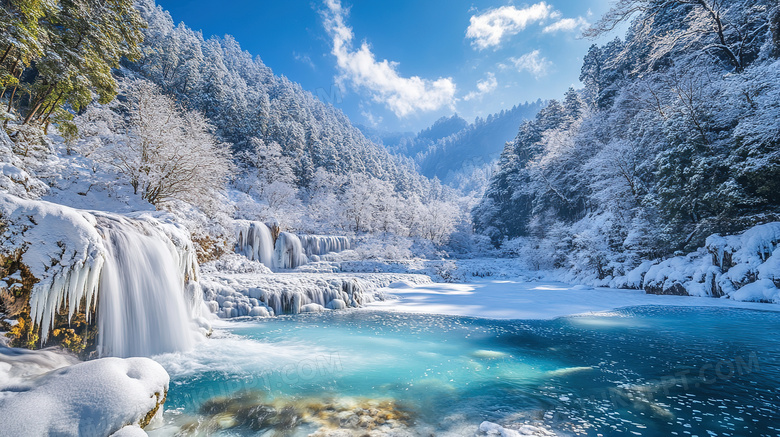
[401, 64]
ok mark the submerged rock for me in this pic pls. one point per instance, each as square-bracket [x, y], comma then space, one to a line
[255, 412]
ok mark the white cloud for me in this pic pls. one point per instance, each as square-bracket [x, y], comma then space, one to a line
[533, 63]
[372, 119]
[304, 59]
[483, 87]
[488, 29]
[567, 25]
[402, 95]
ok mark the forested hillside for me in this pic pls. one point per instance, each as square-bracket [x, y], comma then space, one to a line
[149, 115]
[247, 103]
[675, 136]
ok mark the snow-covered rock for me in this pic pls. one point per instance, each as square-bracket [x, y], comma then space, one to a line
[743, 267]
[93, 398]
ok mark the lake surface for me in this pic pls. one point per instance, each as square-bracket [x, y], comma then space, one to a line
[652, 371]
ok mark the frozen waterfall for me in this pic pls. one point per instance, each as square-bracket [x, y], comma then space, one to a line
[288, 252]
[322, 244]
[128, 275]
[254, 241]
[142, 309]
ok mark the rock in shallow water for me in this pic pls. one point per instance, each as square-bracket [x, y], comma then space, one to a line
[254, 412]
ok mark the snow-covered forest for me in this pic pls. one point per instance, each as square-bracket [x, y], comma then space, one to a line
[673, 137]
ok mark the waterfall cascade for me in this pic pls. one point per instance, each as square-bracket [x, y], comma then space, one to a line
[142, 307]
[254, 241]
[288, 252]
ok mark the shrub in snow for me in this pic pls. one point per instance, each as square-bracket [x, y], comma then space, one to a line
[166, 153]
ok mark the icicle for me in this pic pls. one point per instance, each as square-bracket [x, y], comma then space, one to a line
[70, 286]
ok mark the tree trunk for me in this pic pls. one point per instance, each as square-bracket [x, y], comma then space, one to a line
[715, 15]
[5, 54]
[52, 109]
[37, 105]
[11, 100]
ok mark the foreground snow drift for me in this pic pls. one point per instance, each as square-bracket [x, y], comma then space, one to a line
[94, 398]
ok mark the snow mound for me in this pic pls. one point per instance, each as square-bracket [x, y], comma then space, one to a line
[19, 365]
[94, 398]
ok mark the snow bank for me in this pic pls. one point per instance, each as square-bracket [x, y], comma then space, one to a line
[456, 271]
[94, 398]
[238, 295]
[743, 267]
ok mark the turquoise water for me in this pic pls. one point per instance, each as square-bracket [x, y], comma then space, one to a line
[652, 371]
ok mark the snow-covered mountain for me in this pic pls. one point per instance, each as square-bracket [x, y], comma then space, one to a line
[452, 146]
[246, 102]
